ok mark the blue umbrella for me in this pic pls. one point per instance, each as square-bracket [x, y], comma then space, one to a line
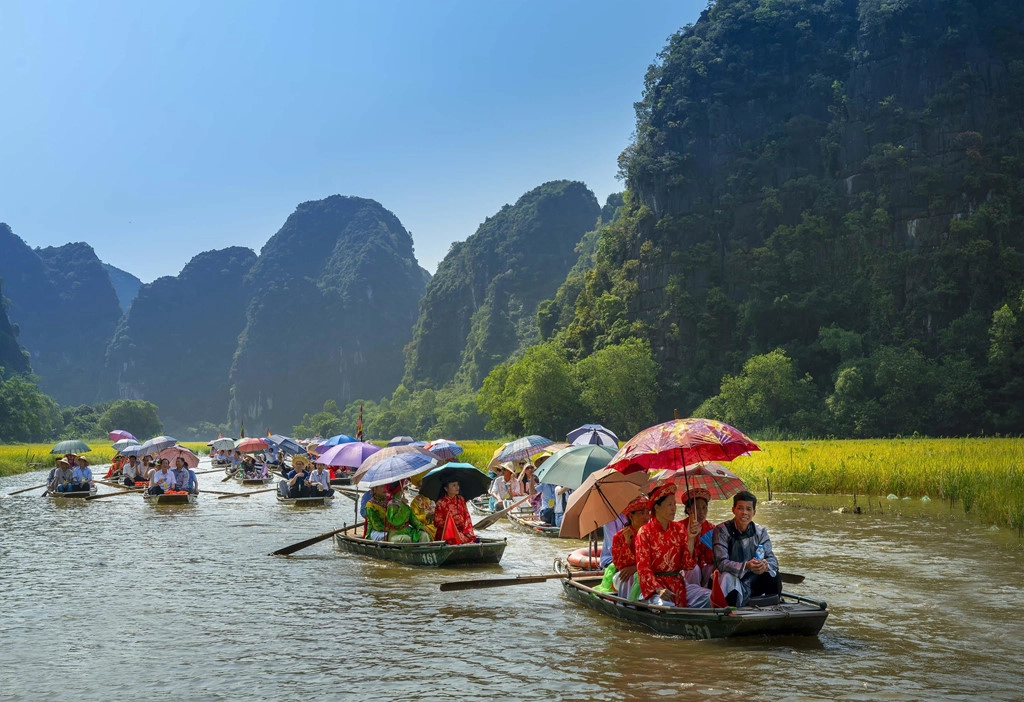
[339, 439]
[473, 482]
[396, 467]
[157, 444]
[286, 444]
[593, 434]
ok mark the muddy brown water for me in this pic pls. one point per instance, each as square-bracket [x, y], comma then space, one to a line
[114, 599]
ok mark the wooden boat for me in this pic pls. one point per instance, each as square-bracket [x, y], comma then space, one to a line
[170, 499]
[793, 616]
[529, 522]
[342, 480]
[433, 553]
[317, 501]
[253, 482]
[76, 495]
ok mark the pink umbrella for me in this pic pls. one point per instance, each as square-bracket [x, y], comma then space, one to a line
[251, 445]
[349, 455]
[175, 452]
[119, 434]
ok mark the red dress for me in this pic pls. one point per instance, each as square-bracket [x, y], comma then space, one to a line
[623, 549]
[662, 551]
[702, 554]
[456, 507]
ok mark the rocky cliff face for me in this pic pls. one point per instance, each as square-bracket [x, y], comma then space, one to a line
[62, 300]
[125, 285]
[176, 344]
[800, 165]
[481, 305]
[335, 294]
[13, 359]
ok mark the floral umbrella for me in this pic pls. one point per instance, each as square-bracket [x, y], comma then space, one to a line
[680, 443]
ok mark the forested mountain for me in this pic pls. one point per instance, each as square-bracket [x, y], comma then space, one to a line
[125, 285]
[13, 358]
[176, 344]
[829, 189]
[62, 301]
[481, 305]
[335, 294]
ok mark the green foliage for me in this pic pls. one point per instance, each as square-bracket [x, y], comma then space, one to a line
[81, 421]
[25, 413]
[619, 385]
[325, 423]
[138, 417]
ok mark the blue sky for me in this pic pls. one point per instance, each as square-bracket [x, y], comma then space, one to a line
[156, 130]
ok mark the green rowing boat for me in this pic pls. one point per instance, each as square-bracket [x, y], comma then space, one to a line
[432, 553]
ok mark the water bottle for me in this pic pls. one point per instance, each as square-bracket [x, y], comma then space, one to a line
[759, 554]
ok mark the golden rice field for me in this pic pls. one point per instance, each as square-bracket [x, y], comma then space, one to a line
[984, 476]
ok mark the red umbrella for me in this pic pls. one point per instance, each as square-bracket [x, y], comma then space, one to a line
[720, 482]
[250, 445]
[680, 443]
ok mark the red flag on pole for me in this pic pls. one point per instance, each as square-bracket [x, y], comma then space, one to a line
[268, 431]
[359, 424]
[242, 436]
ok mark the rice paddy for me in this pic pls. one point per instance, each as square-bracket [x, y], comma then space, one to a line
[983, 476]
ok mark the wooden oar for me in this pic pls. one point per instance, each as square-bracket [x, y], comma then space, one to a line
[517, 580]
[245, 494]
[791, 578]
[228, 477]
[495, 516]
[34, 487]
[289, 550]
[109, 494]
[215, 470]
[219, 492]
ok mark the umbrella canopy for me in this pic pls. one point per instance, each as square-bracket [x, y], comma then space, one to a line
[135, 450]
[119, 434]
[175, 452]
[494, 462]
[337, 440]
[396, 467]
[681, 442]
[122, 444]
[71, 446]
[225, 442]
[400, 440]
[388, 452]
[157, 444]
[523, 448]
[286, 444]
[444, 449]
[251, 445]
[600, 499]
[473, 482]
[571, 466]
[592, 434]
[349, 455]
[718, 480]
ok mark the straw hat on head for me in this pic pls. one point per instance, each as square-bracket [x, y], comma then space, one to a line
[509, 466]
[300, 462]
[63, 462]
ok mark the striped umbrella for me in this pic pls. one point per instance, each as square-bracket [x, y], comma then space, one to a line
[122, 444]
[444, 449]
[720, 482]
[523, 448]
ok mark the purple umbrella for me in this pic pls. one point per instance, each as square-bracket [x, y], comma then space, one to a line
[119, 434]
[349, 455]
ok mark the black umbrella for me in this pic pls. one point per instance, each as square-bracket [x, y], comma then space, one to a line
[472, 481]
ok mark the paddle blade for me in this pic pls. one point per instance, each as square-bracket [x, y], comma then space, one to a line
[494, 517]
[456, 585]
[792, 578]
[288, 550]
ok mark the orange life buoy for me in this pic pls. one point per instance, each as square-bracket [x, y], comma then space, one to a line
[584, 558]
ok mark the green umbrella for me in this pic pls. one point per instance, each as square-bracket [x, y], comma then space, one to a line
[571, 466]
[71, 446]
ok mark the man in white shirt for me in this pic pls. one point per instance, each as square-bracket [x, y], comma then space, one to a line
[132, 472]
[499, 490]
[163, 479]
[319, 482]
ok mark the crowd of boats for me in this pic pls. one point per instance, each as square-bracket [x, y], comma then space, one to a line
[415, 501]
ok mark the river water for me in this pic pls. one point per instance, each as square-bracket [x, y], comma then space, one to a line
[115, 599]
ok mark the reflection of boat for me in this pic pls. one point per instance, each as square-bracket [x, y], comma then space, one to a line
[433, 553]
[75, 495]
[316, 501]
[792, 616]
[170, 498]
[529, 522]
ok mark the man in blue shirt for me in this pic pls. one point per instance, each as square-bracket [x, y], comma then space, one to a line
[81, 476]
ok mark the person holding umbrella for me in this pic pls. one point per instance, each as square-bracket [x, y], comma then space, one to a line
[451, 515]
[661, 559]
[696, 526]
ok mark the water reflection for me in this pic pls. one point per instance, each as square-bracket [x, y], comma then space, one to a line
[185, 603]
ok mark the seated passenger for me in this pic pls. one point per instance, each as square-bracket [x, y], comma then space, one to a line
[184, 478]
[60, 476]
[295, 485]
[740, 574]
[499, 490]
[661, 559]
[132, 472]
[402, 524]
[163, 479]
[423, 507]
[696, 525]
[81, 477]
[319, 482]
[452, 506]
[638, 512]
[148, 467]
[376, 508]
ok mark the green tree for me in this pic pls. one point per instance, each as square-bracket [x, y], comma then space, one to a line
[139, 417]
[619, 385]
[25, 413]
